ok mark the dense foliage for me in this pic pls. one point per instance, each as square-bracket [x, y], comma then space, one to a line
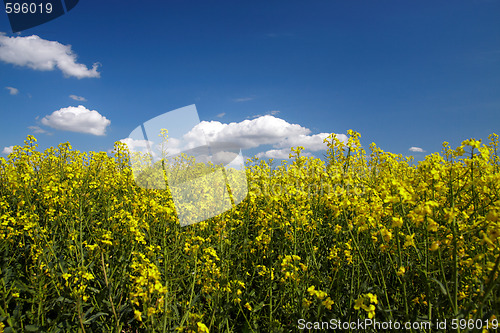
[361, 235]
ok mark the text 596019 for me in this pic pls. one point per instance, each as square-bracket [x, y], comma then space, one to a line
[28, 8]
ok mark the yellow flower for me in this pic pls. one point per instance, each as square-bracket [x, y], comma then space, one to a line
[372, 298]
[435, 245]
[358, 303]
[202, 328]
[409, 240]
[397, 222]
[400, 271]
[306, 303]
[328, 303]
[370, 310]
[138, 315]
[248, 306]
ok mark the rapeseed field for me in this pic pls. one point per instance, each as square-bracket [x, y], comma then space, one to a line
[358, 235]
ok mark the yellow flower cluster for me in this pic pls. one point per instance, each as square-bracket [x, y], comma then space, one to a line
[367, 302]
[370, 230]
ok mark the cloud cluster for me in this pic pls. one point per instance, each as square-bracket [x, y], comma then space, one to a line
[245, 134]
[12, 90]
[8, 150]
[226, 140]
[77, 119]
[416, 150]
[142, 146]
[309, 142]
[43, 55]
[264, 130]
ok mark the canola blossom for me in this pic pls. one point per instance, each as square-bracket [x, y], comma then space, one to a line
[358, 235]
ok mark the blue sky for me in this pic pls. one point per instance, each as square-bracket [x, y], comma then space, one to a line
[266, 74]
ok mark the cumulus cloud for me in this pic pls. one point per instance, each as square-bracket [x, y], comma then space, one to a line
[245, 134]
[142, 146]
[43, 55]
[171, 148]
[12, 90]
[416, 150]
[77, 119]
[38, 130]
[226, 140]
[265, 130]
[275, 153]
[8, 150]
[309, 142]
[78, 98]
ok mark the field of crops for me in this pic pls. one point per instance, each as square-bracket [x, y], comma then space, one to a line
[359, 235]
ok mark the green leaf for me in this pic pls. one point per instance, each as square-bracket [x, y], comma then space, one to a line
[443, 289]
[94, 317]
[31, 328]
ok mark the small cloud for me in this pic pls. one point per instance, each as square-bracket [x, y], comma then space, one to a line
[43, 55]
[220, 115]
[282, 154]
[8, 150]
[12, 90]
[138, 146]
[416, 150]
[78, 98]
[77, 119]
[244, 99]
[38, 130]
[271, 113]
[313, 142]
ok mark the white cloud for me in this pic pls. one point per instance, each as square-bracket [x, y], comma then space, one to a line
[220, 115]
[226, 140]
[8, 150]
[77, 119]
[265, 130]
[283, 154]
[142, 146]
[275, 153]
[78, 98]
[171, 148]
[12, 90]
[38, 130]
[416, 150]
[43, 55]
[309, 142]
[272, 113]
[245, 134]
